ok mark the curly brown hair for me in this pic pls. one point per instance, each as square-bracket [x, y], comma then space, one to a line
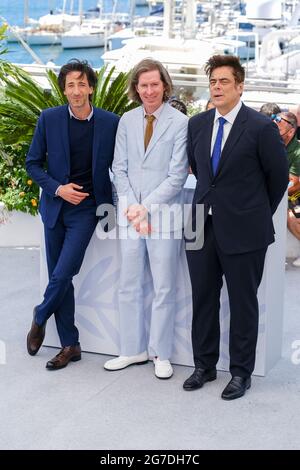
[75, 65]
[232, 61]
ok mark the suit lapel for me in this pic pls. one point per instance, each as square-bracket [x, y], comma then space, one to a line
[64, 126]
[237, 130]
[206, 140]
[163, 123]
[138, 123]
[99, 136]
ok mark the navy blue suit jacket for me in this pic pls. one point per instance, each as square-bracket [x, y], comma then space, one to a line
[48, 159]
[250, 181]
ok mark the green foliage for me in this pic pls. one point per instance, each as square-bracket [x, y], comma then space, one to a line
[3, 29]
[194, 109]
[17, 190]
[21, 102]
[111, 93]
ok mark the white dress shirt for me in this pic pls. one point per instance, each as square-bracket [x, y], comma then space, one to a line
[156, 114]
[88, 118]
[230, 118]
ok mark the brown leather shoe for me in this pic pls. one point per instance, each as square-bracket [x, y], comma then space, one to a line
[35, 336]
[65, 355]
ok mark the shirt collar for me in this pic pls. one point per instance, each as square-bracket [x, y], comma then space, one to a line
[156, 113]
[88, 118]
[230, 117]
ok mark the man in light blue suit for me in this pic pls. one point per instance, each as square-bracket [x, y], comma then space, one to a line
[70, 155]
[150, 168]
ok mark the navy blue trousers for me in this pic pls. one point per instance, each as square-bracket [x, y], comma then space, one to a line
[65, 244]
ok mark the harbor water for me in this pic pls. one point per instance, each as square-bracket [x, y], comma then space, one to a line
[13, 12]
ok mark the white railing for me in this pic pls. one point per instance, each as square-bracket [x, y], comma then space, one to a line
[287, 91]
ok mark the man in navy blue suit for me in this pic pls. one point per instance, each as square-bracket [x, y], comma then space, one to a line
[69, 157]
[241, 168]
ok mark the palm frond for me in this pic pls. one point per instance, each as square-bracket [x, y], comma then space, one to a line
[97, 91]
[22, 99]
[57, 96]
[3, 29]
[101, 87]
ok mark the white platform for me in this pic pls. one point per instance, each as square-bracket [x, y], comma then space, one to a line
[96, 290]
[20, 229]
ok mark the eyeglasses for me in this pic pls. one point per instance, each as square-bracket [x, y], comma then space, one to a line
[277, 118]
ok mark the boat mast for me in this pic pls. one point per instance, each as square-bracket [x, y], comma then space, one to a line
[64, 7]
[131, 12]
[80, 10]
[100, 8]
[168, 18]
[26, 10]
[114, 9]
[190, 8]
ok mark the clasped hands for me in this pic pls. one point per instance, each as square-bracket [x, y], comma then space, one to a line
[71, 193]
[137, 216]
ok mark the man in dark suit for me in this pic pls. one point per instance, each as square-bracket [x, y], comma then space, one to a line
[241, 168]
[70, 155]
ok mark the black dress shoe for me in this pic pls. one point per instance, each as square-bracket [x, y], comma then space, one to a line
[199, 377]
[65, 355]
[35, 336]
[236, 388]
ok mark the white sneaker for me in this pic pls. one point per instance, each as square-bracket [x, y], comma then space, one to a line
[163, 369]
[121, 362]
[296, 262]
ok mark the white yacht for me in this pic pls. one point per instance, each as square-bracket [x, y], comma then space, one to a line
[85, 35]
[41, 37]
[178, 55]
[46, 30]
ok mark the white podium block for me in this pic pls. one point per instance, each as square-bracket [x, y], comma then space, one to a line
[96, 296]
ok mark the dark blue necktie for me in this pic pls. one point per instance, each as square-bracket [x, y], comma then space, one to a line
[216, 155]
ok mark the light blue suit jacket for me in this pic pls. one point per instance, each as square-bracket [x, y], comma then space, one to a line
[154, 177]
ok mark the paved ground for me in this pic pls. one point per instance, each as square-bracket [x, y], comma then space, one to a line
[84, 407]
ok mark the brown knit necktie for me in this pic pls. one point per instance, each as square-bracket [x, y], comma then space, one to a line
[149, 129]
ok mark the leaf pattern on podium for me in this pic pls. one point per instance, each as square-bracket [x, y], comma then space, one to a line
[95, 284]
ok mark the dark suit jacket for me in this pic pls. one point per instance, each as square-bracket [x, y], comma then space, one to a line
[50, 147]
[250, 181]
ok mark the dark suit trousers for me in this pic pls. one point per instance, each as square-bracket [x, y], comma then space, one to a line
[65, 248]
[243, 273]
